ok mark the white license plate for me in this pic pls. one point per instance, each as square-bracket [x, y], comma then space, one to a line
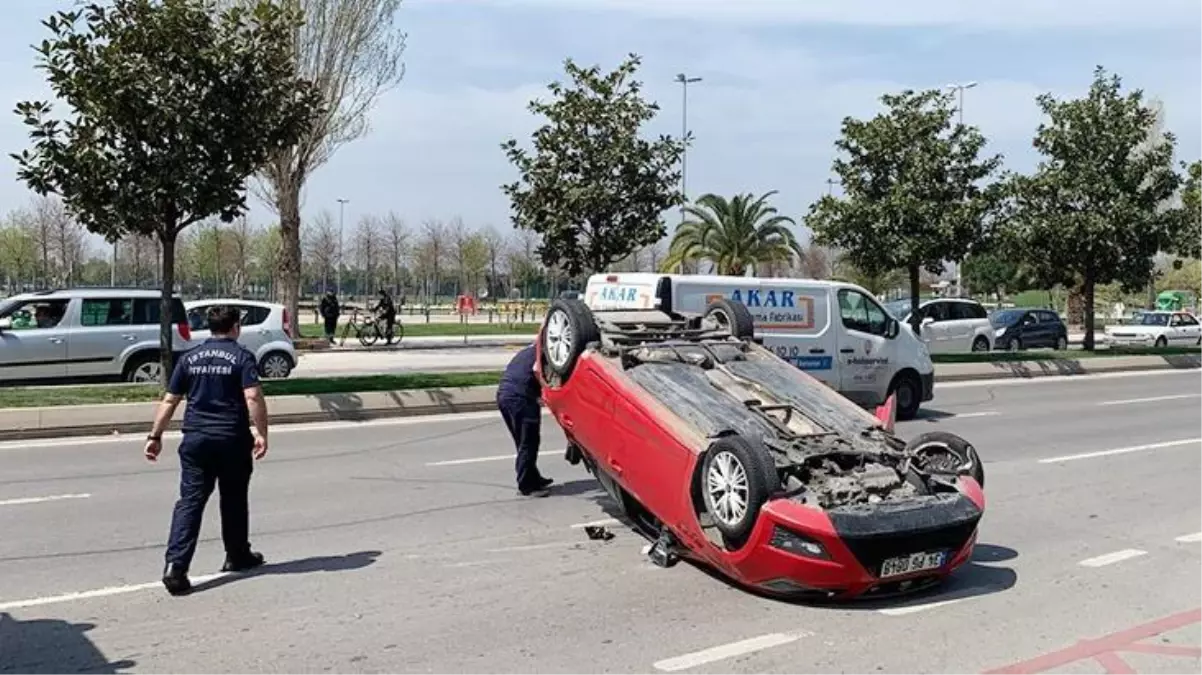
[917, 562]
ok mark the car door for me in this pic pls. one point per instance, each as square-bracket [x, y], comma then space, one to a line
[864, 348]
[103, 333]
[255, 333]
[961, 325]
[1191, 330]
[937, 333]
[35, 345]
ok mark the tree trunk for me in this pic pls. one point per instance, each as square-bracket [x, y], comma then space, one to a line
[1088, 291]
[167, 293]
[915, 319]
[288, 207]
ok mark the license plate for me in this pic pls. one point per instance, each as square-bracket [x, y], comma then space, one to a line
[917, 562]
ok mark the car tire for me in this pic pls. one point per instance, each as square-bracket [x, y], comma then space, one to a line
[731, 316]
[1061, 343]
[275, 366]
[908, 390]
[970, 461]
[143, 367]
[980, 344]
[567, 330]
[742, 471]
[1162, 342]
[1016, 345]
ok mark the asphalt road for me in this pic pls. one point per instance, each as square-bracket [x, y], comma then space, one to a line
[401, 546]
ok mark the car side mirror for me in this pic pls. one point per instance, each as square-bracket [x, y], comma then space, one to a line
[6, 323]
[892, 329]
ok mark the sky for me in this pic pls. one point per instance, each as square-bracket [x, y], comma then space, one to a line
[778, 76]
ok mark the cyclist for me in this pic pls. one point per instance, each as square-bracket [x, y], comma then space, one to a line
[385, 310]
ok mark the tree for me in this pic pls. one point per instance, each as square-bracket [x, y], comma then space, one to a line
[352, 50]
[594, 189]
[396, 239]
[1187, 236]
[494, 246]
[815, 263]
[321, 247]
[1093, 207]
[174, 106]
[368, 249]
[912, 194]
[995, 273]
[877, 283]
[18, 252]
[734, 236]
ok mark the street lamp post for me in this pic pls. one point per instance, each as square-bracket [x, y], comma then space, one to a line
[959, 89]
[341, 222]
[684, 81]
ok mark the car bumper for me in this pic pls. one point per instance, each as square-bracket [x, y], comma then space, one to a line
[854, 547]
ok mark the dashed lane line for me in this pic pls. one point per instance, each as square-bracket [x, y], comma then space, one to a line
[1112, 558]
[1151, 399]
[98, 593]
[913, 609]
[727, 651]
[39, 500]
[1189, 538]
[1121, 451]
[470, 460]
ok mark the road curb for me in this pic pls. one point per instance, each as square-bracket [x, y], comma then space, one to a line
[92, 420]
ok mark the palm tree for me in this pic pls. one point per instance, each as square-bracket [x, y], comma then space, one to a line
[734, 236]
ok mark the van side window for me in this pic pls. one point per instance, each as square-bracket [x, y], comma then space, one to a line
[937, 311]
[108, 312]
[861, 313]
[968, 311]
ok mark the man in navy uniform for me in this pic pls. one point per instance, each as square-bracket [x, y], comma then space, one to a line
[517, 398]
[221, 382]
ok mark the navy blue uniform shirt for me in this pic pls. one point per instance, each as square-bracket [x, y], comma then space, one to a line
[518, 379]
[212, 376]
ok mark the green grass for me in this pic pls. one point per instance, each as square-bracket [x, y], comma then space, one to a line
[1071, 355]
[27, 397]
[310, 330]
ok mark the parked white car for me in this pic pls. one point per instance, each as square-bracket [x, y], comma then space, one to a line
[1157, 329]
[949, 325]
[264, 332]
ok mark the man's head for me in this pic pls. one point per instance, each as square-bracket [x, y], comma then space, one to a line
[383, 293]
[225, 321]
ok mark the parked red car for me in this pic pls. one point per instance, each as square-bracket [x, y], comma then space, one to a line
[721, 452]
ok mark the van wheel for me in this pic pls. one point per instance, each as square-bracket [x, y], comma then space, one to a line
[737, 478]
[908, 390]
[567, 330]
[275, 366]
[969, 461]
[981, 344]
[731, 316]
[143, 368]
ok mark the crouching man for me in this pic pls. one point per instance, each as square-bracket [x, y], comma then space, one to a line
[518, 400]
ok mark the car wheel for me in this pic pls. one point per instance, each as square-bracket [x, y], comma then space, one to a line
[1162, 342]
[1061, 343]
[981, 344]
[144, 368]
[567, 330]
[275, 366]
[908, 390]
[737, 477]
[1015, 345]
[970, 461]
[731, 316]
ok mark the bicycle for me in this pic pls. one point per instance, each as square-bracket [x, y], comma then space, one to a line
[370, 331]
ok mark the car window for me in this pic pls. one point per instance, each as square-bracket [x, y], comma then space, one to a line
[1187, 320]
[967, 311]
[939, 311]
[146, 311]
[33, 314]
[253, 315]
[861, 313]
[1048, 317]
[198, 317]
[106, 312]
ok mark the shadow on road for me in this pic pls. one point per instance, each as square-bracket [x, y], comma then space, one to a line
[330, 563]
[51, 646]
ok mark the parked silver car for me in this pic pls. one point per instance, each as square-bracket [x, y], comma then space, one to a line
[264, 332]
[86, 333]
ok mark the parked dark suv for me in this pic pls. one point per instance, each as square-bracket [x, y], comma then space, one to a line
[1016, 329]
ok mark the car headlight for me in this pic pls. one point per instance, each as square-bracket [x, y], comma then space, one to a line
[787, 540]
[999, 332]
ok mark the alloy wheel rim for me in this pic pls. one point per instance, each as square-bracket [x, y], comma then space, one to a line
[727, 487]
[558, 341]
[275, 366]
[148, 372]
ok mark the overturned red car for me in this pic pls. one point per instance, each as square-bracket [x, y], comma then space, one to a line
[723, 453]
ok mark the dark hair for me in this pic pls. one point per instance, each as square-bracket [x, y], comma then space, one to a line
[222, 319]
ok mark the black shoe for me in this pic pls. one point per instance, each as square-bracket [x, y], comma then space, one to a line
[537, 492]
[175, 579]
[242, 563]
[544, 483]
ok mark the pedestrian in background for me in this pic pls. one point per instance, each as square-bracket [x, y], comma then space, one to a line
[225, 425]
[330, 311]
[518, 400]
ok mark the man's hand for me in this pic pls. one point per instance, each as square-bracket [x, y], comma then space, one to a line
[260, 447]
[152, 450]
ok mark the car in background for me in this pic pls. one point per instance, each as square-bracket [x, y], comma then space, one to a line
[265, 332]
[948, 325]
[86, 333]
[1017, 329]
[1157, 329]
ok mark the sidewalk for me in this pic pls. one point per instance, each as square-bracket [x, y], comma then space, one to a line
[432, 342]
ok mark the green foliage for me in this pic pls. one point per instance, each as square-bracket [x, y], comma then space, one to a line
[1187, 239]
[877, 283]
[594, 188]
[913, 197]
[733, 235]
[1094, 207]
[173, 106]
[995, 273]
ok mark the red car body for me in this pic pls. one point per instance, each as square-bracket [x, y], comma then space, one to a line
[645, 443]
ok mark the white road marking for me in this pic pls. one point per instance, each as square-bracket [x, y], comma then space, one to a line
[727, 651]
[913, 609]
[38, 500]
[1060, 379]
[1111, 558]
[98, 593]
[1151, 399]
[986, 413]
[1189, 538]
[607, 521]
[532, 547]
[1121, 451]
[470, 460]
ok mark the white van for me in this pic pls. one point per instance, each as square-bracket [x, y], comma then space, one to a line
[859, 350]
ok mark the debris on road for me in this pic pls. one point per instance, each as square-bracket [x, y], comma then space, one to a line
[598, 532]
